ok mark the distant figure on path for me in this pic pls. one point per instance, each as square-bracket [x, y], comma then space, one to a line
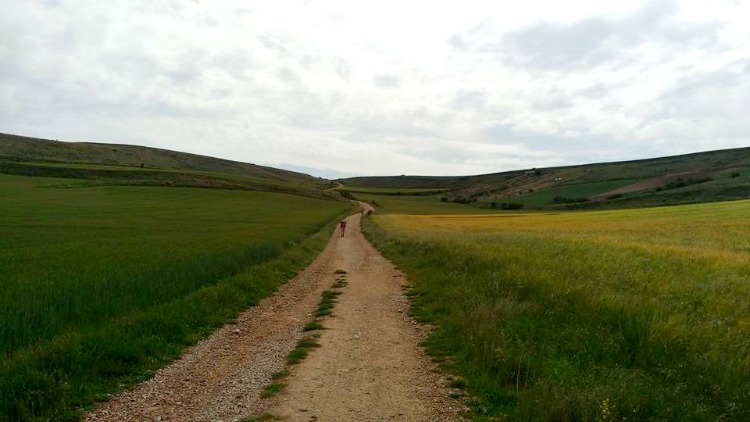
[342, 224]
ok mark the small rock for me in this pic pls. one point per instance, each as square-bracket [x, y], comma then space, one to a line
[303, 410]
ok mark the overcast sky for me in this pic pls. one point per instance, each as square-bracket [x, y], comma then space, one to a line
[382, 87]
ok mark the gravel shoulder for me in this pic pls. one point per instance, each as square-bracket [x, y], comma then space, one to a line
[369, 367]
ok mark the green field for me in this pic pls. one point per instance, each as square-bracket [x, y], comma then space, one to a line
[608, 315]
[387, 204]
[121, 157]
[391, 191]
[578, 190]
[136, 169]
[541, 185]
[102, 284]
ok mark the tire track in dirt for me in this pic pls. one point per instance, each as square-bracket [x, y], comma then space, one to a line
[369, 367]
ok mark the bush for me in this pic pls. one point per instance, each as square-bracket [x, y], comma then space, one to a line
[563, 200]
[680, 183]
[511, 206]
[736, 174]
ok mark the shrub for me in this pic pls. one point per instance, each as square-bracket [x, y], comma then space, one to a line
[511, 206]
[563, 200]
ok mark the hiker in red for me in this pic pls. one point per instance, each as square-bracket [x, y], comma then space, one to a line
[342, 224]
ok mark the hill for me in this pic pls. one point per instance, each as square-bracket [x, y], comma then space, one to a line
[138, 165]
[698, 177]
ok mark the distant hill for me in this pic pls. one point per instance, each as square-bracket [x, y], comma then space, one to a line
[138, 165]
[699, 177]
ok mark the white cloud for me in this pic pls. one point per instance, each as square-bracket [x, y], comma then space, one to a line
[382, 87]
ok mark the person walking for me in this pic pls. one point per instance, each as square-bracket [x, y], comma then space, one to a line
[342, 225]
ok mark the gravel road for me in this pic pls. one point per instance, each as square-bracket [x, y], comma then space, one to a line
[369, 367]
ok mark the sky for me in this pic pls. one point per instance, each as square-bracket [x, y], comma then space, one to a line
[344, 88]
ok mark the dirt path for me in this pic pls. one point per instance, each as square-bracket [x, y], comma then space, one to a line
[369, 367]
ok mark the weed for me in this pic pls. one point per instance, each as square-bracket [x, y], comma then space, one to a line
[271, 389]
[263, 418]
[296, 356]
[300, 351]
[313, 325]
[458, 383]
[307, 343]
[280, 374]
[327, 301]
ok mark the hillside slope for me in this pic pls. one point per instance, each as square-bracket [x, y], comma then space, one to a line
[21, 148]
[697, 177]
[138, 165]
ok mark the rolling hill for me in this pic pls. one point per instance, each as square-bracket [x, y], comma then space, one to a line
[138, 165]
[699, 177]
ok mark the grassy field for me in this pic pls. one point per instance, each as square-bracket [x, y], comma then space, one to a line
[391, 191]
[387, 204]
[607, 315]
[102, 284]
[227, 176]
[24, 149]
[536, 188]
[578, 190]
[136, 176]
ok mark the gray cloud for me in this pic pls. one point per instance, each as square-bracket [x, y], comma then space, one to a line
[309, 85]
[553, 46]
[469, 100]
[387, 81]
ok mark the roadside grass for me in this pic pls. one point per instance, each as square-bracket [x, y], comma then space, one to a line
[103, 285]
[633, 314]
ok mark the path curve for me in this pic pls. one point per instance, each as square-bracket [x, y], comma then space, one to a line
[369, 367]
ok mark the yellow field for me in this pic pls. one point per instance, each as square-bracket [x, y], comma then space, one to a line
[705, 230]
[648, 309]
